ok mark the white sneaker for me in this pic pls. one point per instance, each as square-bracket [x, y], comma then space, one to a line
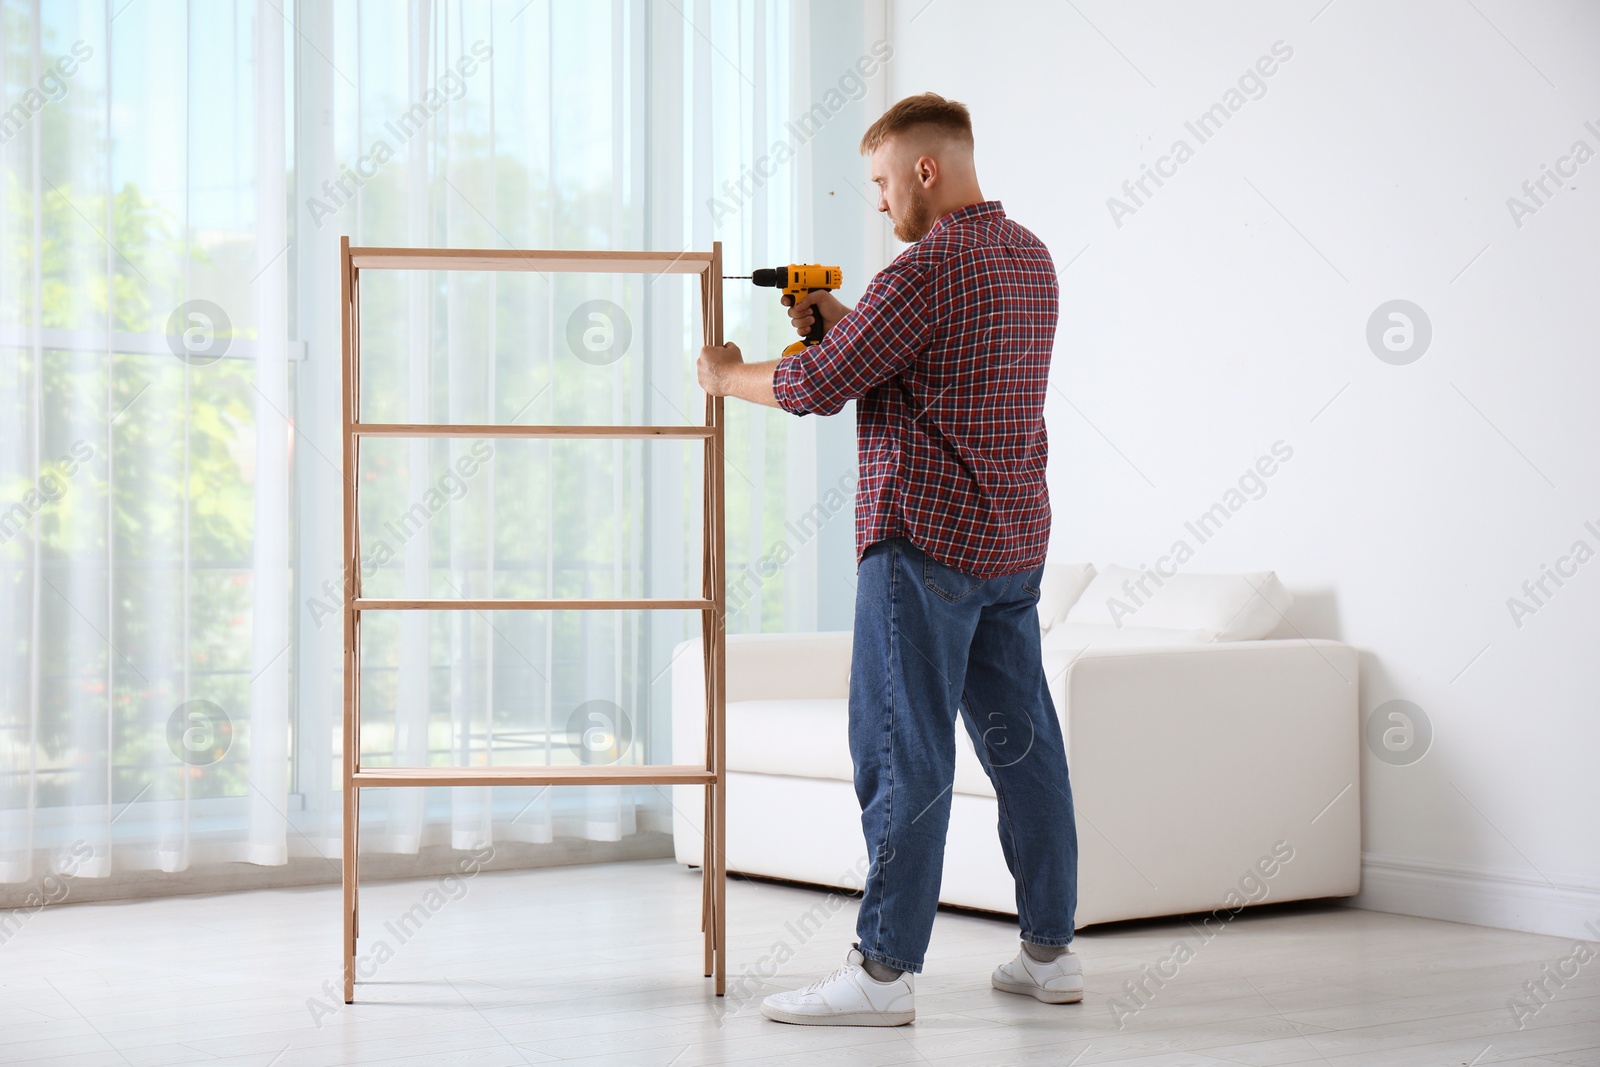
[1058, 982]
[847, 997]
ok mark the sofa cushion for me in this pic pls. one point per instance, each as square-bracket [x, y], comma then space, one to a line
[1082, 635]
[796, 665]
[1226, 607]
[1059, 589]
[811, 739]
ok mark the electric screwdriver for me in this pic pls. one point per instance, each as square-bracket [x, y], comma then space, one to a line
[796, 280]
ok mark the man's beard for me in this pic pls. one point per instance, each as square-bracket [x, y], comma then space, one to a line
[915, 226]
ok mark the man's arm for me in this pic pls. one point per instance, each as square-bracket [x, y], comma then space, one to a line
[723, 372]
[864, 347]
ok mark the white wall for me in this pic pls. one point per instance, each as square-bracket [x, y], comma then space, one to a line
[1229, 312]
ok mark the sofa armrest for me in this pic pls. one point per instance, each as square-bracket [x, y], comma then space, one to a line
[1193, 763]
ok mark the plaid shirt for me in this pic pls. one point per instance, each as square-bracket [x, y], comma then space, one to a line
[949, 354]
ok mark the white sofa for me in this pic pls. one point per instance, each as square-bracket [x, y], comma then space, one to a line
[1211, 768]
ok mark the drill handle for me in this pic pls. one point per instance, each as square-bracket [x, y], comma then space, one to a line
[814, 335]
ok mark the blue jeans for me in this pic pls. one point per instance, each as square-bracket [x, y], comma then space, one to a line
[930, 639]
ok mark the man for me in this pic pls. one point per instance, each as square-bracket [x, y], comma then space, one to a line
[948, 354]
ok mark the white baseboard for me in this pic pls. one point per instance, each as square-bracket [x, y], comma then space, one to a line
[1478, 896]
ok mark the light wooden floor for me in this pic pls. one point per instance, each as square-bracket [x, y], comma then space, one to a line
[601, 965]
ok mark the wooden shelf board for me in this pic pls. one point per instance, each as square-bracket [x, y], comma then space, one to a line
[577, 433]
[401, 777]
[560, 260]
[514, 604]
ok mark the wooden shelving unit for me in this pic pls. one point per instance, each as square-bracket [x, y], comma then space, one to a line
[712, 603]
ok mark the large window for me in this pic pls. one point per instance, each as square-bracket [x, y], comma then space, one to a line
[176, 179]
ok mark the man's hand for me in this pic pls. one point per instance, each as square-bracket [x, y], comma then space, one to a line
[715, 365]
[820, 302]
[723, 372]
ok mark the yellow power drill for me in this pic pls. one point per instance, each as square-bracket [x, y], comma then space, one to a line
[796, 280]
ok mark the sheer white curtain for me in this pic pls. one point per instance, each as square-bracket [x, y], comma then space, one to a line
[145, 620]
[169, 445]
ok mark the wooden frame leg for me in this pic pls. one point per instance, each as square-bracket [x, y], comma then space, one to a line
[707, 901]
[350, 378]
[719, 912]
[355, 875]
[717, 835]
[350, 876]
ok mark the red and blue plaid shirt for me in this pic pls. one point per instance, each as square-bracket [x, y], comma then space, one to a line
[948, 353]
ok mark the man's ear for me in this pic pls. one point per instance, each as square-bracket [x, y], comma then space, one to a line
[927, 171]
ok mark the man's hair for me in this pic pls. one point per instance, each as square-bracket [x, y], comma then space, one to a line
[927, 109]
